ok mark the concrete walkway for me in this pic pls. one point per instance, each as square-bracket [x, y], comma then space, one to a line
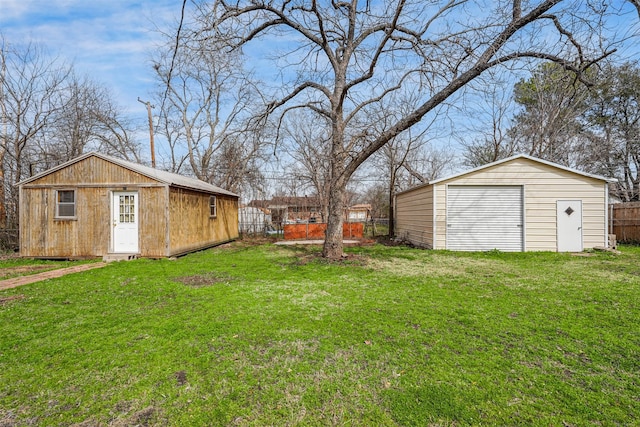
[52, 274]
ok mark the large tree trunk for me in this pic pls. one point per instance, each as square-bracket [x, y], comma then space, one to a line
[392, 186]
[333, 235]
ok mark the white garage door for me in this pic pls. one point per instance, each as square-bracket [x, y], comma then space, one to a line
[481, 218]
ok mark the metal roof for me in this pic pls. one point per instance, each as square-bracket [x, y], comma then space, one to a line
[169, 178]
[508, 159]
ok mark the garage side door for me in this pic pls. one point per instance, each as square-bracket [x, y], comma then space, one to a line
[481, 218]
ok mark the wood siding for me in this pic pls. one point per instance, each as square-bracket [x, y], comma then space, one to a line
[42, 235]
[171, 221]
[414, 216]
[192, 228]
[93, 171]
[88, 234]
[153, 225]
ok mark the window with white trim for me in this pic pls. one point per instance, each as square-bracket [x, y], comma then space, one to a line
[212, 206]
[65, 203]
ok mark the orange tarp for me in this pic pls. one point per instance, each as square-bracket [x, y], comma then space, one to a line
[350, 230]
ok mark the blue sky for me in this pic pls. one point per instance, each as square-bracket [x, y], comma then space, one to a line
[109, 40]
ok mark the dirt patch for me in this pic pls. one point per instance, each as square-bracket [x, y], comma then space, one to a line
[202, 280]
[7, 300]
[9, 255]
[88, 423]
[248, 241]
[181, 378]
[347, 259]
[144, 417]
[387, 241]
[150, 416]
[8, 420]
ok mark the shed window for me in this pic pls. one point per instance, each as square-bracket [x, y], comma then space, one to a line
[212, 206]
[66, 203]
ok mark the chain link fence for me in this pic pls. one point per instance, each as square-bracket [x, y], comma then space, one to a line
[9, 240]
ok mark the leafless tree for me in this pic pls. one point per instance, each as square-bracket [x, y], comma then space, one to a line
[49, 116]
[409, 160]
[87, 120]
[377, 196]
[411, 157]
[30, 83]
[305, 141]
[343, 58]
[485, 139]
[238, 162]
[207, 101]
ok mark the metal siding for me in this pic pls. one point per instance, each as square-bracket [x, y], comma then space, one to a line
[413, 215]
[485, 218]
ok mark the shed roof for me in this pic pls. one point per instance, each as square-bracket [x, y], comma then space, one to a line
[169, 178]
[509, 159]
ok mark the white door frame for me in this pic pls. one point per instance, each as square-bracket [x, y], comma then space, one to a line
[569, 226]
[125, 230]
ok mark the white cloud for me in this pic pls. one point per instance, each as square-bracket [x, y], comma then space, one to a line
[109, 40]
[13, 9]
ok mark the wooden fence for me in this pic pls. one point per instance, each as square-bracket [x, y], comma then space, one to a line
[350, 230]
[625, 222]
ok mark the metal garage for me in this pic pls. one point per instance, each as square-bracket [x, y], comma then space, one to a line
[517, 204]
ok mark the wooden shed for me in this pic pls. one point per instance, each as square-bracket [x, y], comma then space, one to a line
[517, 204]
[99, 206]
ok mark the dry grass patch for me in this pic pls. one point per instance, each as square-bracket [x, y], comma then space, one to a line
[7, 300]
[437, 265]
[203, 280]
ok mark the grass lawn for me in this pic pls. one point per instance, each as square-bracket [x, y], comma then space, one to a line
[266, 335]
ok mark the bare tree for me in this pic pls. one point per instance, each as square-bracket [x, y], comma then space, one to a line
[87, 119]
[349, 57]
[486, 139]
[410, 158]
[306, 135]
[238, 162]
[206, 109]
[406, 161]
[49, 116]
[31, 82]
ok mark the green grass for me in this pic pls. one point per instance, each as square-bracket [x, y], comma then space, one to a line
[264, 335]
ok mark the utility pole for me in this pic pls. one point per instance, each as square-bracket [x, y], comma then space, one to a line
[5, 134]
[153, 150]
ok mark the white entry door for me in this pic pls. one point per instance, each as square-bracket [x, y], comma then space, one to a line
[124, 224]
[569, 217]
